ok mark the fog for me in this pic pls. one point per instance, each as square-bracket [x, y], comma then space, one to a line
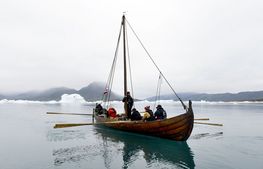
[200, 46]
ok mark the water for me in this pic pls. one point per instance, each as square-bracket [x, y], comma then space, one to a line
[28, 140]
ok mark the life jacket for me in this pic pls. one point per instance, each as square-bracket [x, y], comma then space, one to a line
[112, 112]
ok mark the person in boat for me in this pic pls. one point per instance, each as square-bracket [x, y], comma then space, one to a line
[112, 113]
[135, 115]
[99, 110]
[129, 101]
[148, 114]
[160, 113]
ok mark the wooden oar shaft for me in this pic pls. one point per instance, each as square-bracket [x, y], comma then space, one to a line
[69, 113]
[212, 124]
[64, 125]
[202, 119]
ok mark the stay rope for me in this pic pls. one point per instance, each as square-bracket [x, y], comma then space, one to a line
[184, 106]
[158, 91]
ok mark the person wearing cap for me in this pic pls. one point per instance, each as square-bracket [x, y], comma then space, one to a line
[135, 115]
[129, 101]
[148, 114]
[160, 113]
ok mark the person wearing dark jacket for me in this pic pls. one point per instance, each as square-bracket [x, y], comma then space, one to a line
[160, 113]
[98, 109]
[129, 101]
[135, 115]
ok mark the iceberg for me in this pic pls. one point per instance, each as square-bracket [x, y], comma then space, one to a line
[72, 98]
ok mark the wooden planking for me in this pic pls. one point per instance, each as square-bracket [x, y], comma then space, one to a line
[181, 128]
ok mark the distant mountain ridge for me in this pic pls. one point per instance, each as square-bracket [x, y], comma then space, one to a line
[93, 92]
[225, 97]
[46, 95]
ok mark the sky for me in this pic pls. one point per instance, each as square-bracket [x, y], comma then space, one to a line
[207, 46]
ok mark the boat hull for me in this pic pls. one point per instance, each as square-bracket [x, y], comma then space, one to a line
[177, 128]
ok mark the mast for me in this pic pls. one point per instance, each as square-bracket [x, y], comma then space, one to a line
[124, 63]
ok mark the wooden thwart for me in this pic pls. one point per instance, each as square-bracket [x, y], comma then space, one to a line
[69, 113]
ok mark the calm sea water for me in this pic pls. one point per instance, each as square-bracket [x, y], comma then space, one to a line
[28, 141]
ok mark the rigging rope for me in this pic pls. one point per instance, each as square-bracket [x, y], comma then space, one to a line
[184, 106]
[158, 91]
[108, 87]
[129, 65]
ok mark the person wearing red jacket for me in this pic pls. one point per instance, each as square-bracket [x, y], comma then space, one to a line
[112, 113]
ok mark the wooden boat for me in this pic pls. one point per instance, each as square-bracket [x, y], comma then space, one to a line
[177, 128]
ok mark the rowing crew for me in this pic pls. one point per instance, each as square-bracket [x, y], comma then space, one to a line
[148, 115]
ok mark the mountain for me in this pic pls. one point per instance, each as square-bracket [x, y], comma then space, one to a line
[226, 97]
[46, 95]
[2, 97]
[94, 91]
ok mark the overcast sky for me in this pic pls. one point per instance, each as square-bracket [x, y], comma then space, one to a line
[200, 45]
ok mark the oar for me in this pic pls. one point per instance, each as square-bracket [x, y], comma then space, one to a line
[212, 124]
[69, 113]
[91, 114]
[202, 119]
[64, 125]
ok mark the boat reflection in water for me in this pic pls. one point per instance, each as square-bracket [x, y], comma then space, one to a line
[155, 150]
[103, 147]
